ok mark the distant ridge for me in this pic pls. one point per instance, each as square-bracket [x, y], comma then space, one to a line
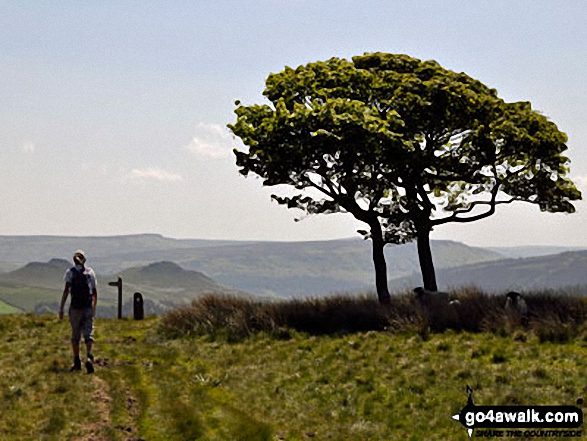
[39, 274]
[38, 286]
[565, 270]
[274, 269]
[106, 254]
[53, 263]
[533, 250]
[170, 277]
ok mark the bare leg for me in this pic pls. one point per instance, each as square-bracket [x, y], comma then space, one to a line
[77, 364]
[90, 358]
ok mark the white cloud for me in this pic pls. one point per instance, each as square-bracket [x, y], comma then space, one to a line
[28, 148]
[155, 173]
[212, 141]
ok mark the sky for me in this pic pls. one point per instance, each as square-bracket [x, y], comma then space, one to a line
[113, 114]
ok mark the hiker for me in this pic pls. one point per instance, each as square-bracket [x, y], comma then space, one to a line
[80, 280]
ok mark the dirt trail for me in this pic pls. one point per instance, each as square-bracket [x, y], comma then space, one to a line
[102, 401]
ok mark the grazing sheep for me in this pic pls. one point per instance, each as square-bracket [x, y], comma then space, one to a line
[429, 299]
[437, 308]
[515, 305]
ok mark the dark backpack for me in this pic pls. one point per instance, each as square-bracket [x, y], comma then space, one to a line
[81, 297]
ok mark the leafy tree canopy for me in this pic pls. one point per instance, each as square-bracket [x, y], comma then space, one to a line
[402, 144]
[403, 139]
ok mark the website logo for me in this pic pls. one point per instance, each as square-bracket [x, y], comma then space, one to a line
[562, 421]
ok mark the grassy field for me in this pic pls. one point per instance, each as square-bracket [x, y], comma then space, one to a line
[5, 308]
[375, 385]
[26, 297]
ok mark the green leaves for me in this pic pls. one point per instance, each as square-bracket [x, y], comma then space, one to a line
[402, 142]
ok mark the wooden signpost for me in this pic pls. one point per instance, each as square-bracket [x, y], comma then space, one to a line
[118, 283]
[138, 307]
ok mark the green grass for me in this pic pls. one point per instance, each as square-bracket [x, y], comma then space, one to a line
[375, 385]
[5, 308]
[26, 297]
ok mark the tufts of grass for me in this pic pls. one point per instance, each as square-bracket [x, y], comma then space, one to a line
[55, 424]
[553, 329]
[333, 315]
[217, 316]
[553, 318]
[374, 385]
[237, 318]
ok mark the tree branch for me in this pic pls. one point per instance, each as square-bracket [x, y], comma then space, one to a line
[425, 199]
[330, 193]
[492, 204]
[348, 203]
[378, 192]
[454, 217]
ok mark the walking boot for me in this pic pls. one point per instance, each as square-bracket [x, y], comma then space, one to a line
[77, 365]
[90, 364]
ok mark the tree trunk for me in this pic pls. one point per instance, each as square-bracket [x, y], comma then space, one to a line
[426, 264]
[380, 266]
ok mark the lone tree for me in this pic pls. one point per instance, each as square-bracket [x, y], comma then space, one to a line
[403, 145]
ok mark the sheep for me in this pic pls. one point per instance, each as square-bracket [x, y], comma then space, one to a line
[431, 298]
[437, 308]
[516, 307]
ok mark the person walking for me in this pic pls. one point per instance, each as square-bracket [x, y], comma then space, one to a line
[80, 281]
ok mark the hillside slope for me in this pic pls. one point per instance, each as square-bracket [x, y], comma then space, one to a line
[280, 269]
[303, 269]
[108, 254]
[38, 287]
[47, 275]
[376, 386]
[567, 269]
[286, 269]
[169, 283]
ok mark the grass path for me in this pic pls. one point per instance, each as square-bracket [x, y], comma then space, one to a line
[102, 403]
[371, 386]
[142, 388]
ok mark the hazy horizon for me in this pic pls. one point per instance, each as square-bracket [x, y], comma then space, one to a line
[357, 237]
[114, 115]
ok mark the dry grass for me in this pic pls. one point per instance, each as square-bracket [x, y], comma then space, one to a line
[277, 383]
[551, 316]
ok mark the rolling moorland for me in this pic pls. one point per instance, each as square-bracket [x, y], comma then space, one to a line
[222, 377]
[244, 368]
[170, 272]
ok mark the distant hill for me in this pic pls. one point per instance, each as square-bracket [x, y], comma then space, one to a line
[34, 284]
[286, 269]
[532, 250]
[38, 274]
[169, 283]
[163, 274]
[282, 269]
[296, 269]
[108, 254]
[566, 270]
[38, 286]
